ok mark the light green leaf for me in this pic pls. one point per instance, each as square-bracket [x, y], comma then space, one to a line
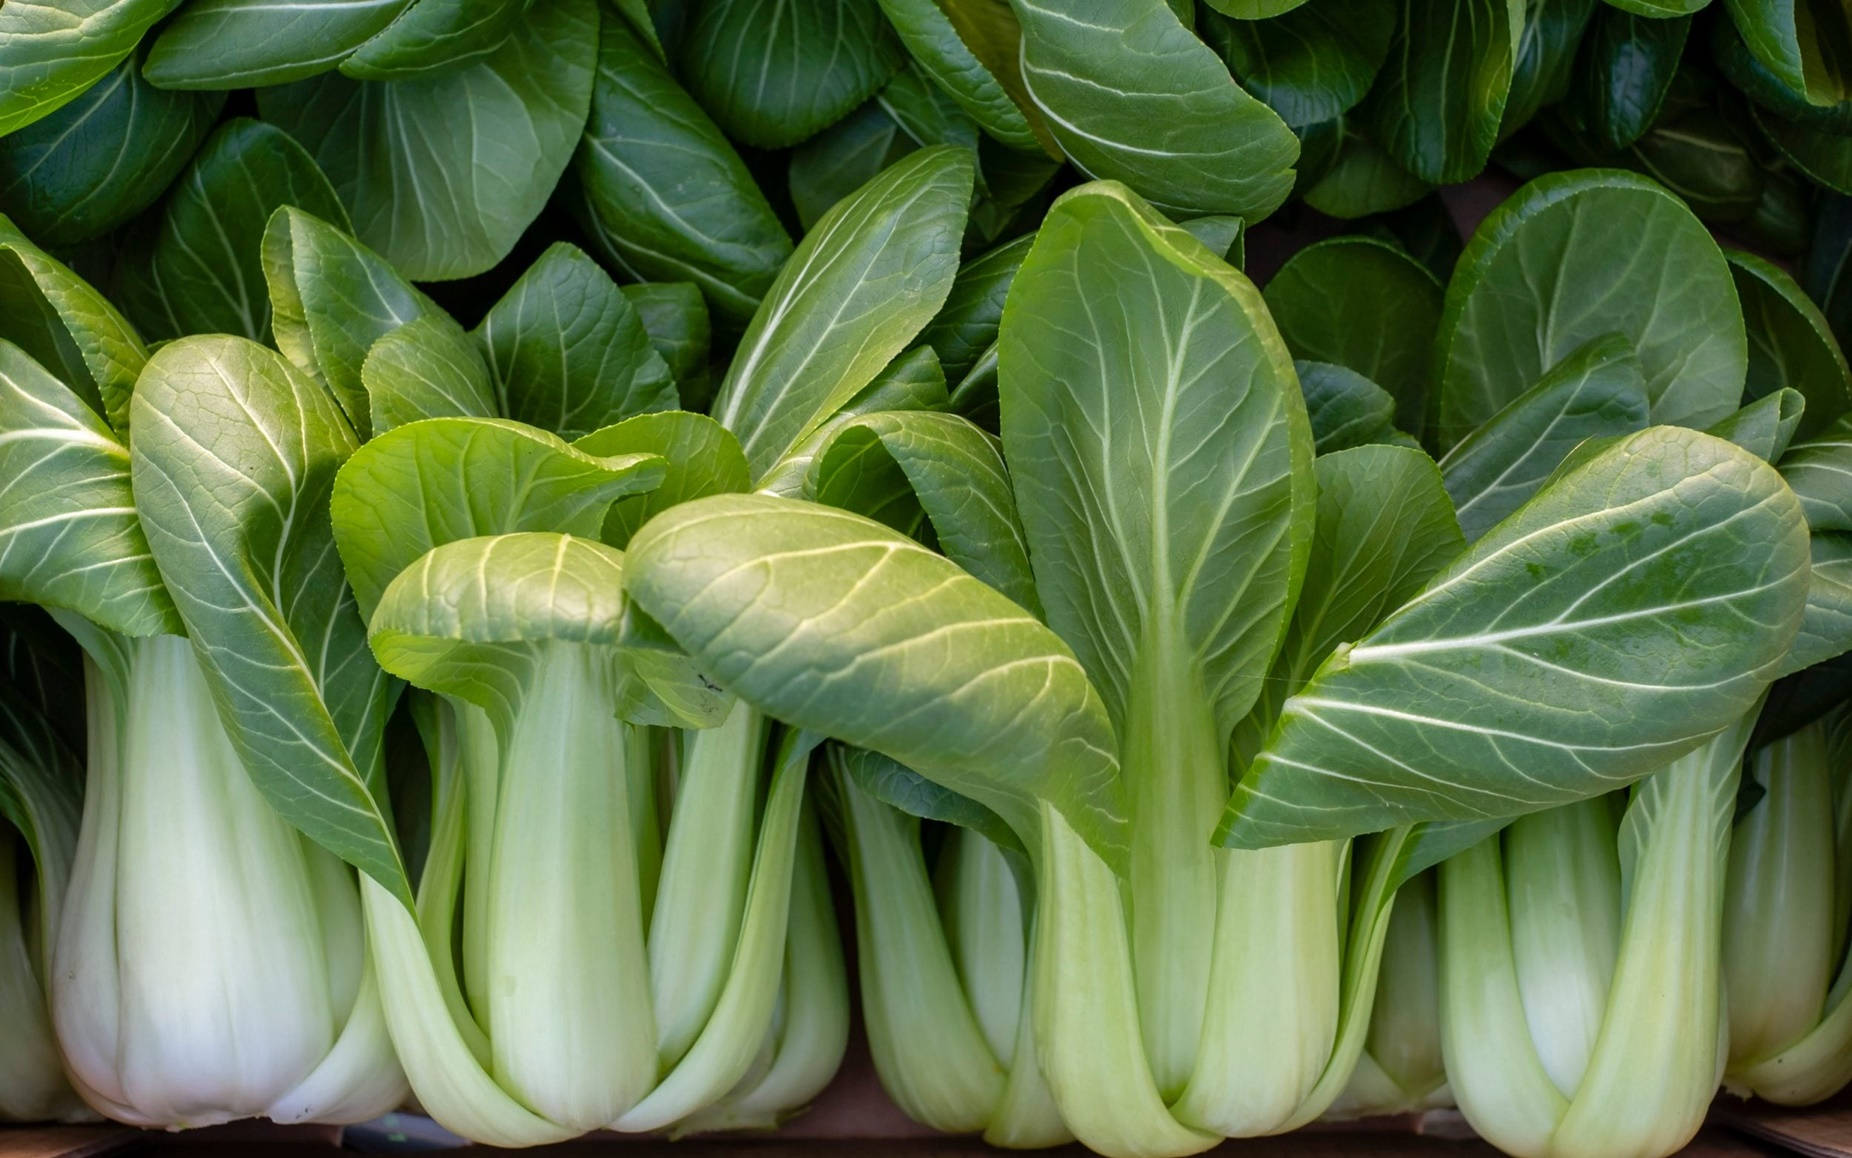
[665, 195]
[859, 288]
[1596, 392]
[1133, 96]
[443, 174]
[1819, 469]
[1311, 64]
[98, 161]
[1437, 105]
[1198, 512]
[433, 36]
[1345, 408]
[940, 467]
[1570, 257]
[841, 159]
[774, 74]
[1766, 426]
[1640, 603]
[969, 48]
[234, 457]
[1826, 630]
[202, 269]
[331, 298]
[426, 483]
[51, 53]
[67, 327]
[426, 368]
[901, 787]
[568, 352]
[912, 381]
[699, 457]
[69, 534]
[247, 43]
[832, 622]
[1365, 304]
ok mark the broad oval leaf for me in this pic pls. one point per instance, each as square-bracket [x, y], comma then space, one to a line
[426, 368]
[201, 270]
[665, 195]
[1790, 342]
[859, 288]
[1131, 95]
[69, 533]
[1570, 257]
[68, 327]
[444, 479]
[1642, 601]
[223, 44]
[49, 54]
[832, 622]
[98, 161]
[1438, 103]
[1596, 392]
[442, 174]
[1365, 304]
[775, 73]
[1161, 476]
[699, 458]
[1626, 70]
[969, 48]
[1345, 408]
[433, 36]
[568, 352]
[1311, 64]
[235, 454]
[1363, 180]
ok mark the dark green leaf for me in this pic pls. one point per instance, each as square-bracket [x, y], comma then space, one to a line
[1311, 64]
[1345, 408]
[247, 43]
[431, 36]
[1790, 343]
[1437, 105]
[51, 53]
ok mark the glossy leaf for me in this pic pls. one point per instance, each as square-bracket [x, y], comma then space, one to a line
[1802, 43]
[881, 649]
[1560, 263]
[1641, 602]
[969, 48]
[101, 159]
[50, 54]
[1311, 64]
[1437, 106]
[665, 195]
[432, 36]
[1626, 70]
[1345, 408]
[442, 174]
[774, 74]
[69, 533]
[1547, 52]
[1360, 303]
[218, 44]
[1790, 343]
[1596, 392]
[1131, 95]
[235, 454]
[856, 292]
[201, 269]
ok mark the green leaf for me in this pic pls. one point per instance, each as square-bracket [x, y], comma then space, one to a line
[1133, 96]
[969, 48]
[1364, 180]
[912, 381]
[1819, 469]
[775, 74]
[201, 269]
[1764, 88]
[665, 195]
[1345, 408]
[68, 327]
[1570, 257]
[234, 457]
[967, 324]
[417, 486]
[1311, 64]
[1437, 105]
[426, 368]
[433, 36]
[1596, 392]
[859, 288]
[443, 174]
[699, 457]
[832, 622]
[843, 158]
[98, 161]
[1384, 527]
[69, 534]
[1826, 629]
[221, 44]
[331, 298]
[1201, 510]
[944, 468]
[925, 113]
[1546, 58]
[1640, 603]
[51, 53]
[674, 315]
[1764, 427]
[1625, 72]
[1822, 154]
[901, 787]
[1804, 44]
[1790, 343]
[568, 352]
[1361, 303]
